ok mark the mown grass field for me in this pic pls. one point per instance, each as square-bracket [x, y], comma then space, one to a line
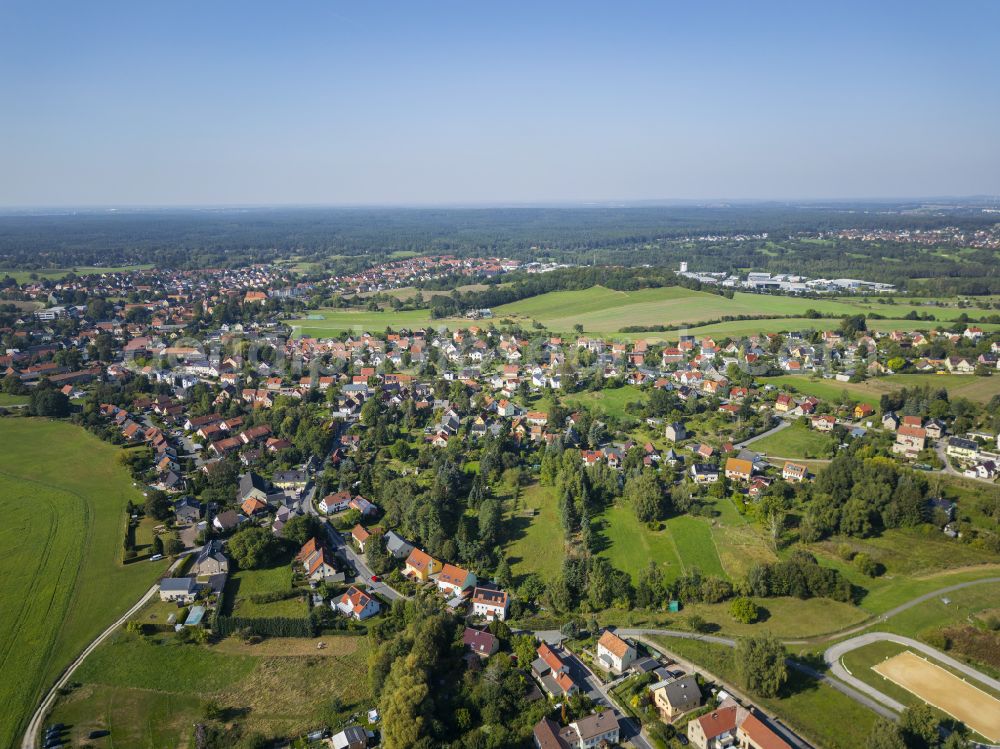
[534, 543]
[63, 496]
[631, 545]
[979, 389]
[150, 693]
[795, 441]
[695, 545]
[54, 274]
[611, 402]
[819, 713]
[602, 311]
[244, 584]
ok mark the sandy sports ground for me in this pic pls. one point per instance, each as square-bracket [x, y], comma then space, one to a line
[945, 691]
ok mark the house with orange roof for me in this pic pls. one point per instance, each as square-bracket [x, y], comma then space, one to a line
[614, 653]
[356, 604]
[420, 565]
[739, 469]
[454, 580]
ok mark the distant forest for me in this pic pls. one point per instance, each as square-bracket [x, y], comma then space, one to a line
[338, 240]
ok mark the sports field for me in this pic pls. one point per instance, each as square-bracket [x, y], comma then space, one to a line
[945, 691]
[63, 497]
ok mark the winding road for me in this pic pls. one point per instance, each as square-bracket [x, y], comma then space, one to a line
[31, 735]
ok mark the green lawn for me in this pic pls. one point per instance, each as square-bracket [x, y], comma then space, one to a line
[631, 545]
[819, 713]
[150, 693]
[796, 441]
[603, 310]
[534, 541]
[611, 401]
[827, 390]
[695, 544]
[6, 399]
[63, 496]
[245, 583]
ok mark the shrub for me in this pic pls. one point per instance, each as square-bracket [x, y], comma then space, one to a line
[743, 610]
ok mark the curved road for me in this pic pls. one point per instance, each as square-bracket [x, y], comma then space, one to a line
[31, 735]
[834, 653]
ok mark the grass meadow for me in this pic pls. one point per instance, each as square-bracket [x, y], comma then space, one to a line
[150, 692]
[63, 496]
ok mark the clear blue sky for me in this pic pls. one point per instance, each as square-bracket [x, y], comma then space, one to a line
[212, 102]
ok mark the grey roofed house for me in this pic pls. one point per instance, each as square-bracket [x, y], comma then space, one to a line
[290, 478]
[352, 737]
[679, 690]
[212, 559]
[397, 546]
[182, 589]
[217, 583]
[596, 725]
[227, 520]
[252, 485]
[188, 509]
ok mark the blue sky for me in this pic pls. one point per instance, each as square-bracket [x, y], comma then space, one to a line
[188, 103]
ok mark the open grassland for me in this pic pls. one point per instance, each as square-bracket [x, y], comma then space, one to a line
[916, 561]
[6, 399]
[150, 693]
[244, 584]
[534, 534]
[631, 545]
[695, 545]
[818, 712]
[740, 543]
[611, 402]
[796, 441]
[54, 274]
[980, 389]
[63, 496]
[604, 311]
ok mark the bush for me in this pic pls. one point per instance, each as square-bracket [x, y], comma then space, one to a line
[743, 610]
[866, 565]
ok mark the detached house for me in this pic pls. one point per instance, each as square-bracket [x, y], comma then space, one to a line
[614, 653]
[420, 565]
[455, 580]
[490, 604]
[739, 469]
[356, 604]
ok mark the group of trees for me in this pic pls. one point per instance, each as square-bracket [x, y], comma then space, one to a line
[800, 576]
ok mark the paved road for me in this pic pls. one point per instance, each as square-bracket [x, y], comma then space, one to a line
[31, 736]
[773, 430]
[364, 573]
[834, 653]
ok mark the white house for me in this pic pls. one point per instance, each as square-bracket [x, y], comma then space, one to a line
[614, 653]
[455, 580]
[178, 589]
[356, 603]
[490, 604]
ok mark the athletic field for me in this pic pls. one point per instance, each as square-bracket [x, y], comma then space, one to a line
[945, 691]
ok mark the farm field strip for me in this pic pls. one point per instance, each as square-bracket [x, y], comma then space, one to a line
[60, 575]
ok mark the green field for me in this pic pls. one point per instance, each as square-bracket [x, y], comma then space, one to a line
[631, 545]
[535, 534]
[63, 496]
[601, 311]
[54, 274]
[819, 713]
[150, 693]
[245, 583]
[611, 402]
[795, 441]
[980, 389]
[695, 545]
[6, 399]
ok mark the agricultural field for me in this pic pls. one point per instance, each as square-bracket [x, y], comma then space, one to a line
[54, 274]
[150, 692]
[63, 496]
[796, 441]
[604, 311]
[979, 389]
[818, 712]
